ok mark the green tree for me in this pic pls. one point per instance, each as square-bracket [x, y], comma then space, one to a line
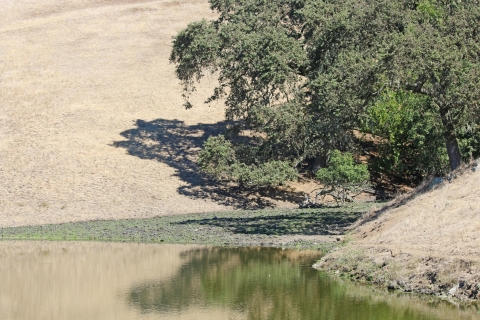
[343, 179]
[300, 75]
[258, 52]
[439, 57]
[429, 47]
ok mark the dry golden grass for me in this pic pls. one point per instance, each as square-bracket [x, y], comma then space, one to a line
[427, 241]
[444, 222]
[91, 118]
[74, 76]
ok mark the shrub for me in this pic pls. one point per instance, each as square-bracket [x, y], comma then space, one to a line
[271, 173]
[219, 158]
[343, 179]
[411, 137]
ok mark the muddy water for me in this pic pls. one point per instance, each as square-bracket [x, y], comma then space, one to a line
[55, 280]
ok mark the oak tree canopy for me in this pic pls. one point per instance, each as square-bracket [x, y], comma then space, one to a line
[298, 76]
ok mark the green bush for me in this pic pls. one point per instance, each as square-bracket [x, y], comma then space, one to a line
[270, 173]
[343, 179]
[220, 159]
[469, 142]
[410, 137]
[217, 156]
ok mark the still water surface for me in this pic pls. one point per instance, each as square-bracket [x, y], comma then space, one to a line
[76, 281]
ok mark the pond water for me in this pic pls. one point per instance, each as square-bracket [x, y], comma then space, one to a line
[68, 280]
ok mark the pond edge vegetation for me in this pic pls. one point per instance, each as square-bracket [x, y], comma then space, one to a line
[316, 229]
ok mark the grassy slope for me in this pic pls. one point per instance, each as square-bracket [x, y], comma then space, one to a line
[91, 119]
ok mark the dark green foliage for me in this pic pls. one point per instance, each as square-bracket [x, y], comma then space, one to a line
[217, 156]
[410, 139]
[342, 171]
[301, 75]
[219, 159]
[348, 43]
[270, 173]
[469, 141]
[439, 57]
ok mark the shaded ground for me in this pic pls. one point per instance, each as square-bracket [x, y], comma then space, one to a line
[176, 144]
[328, 221]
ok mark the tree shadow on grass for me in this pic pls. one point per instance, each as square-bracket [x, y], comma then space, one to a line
[313, 222]
[176, 144]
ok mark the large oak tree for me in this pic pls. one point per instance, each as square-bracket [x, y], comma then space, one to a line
[299, 75]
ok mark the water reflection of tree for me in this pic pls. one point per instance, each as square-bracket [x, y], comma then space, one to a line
[263, 283]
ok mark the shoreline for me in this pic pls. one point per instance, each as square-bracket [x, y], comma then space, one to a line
[424, 242]
[324, 229]
[317, 229]
[451, 278]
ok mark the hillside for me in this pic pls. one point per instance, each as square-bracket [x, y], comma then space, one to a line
[92, 127]
[92, 123]
[427, 242]
[444, 221]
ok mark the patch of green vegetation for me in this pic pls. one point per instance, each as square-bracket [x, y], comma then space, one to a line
[234, 228]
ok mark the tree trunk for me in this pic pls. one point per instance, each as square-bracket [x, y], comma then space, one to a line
[450, 141]
[452, 149]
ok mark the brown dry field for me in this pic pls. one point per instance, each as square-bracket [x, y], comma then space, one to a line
[91, 118]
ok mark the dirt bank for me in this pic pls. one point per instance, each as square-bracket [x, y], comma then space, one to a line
[425, 242]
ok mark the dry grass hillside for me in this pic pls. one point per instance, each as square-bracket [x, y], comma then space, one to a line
[427, 241]
[91, 118]
[444, 221]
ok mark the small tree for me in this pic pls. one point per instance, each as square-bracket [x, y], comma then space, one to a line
[343, 179]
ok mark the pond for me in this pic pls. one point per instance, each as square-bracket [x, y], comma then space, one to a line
[79, 280]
